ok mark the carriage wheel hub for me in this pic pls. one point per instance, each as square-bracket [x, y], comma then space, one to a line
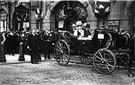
[103, 61]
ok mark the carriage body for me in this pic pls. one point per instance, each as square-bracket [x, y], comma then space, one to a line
[101, 39]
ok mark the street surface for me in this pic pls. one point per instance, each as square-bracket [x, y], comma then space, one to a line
[14, 72]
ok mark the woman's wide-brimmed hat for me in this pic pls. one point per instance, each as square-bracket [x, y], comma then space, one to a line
[79, 23]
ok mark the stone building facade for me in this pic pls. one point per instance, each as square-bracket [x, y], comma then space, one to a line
[121, 13]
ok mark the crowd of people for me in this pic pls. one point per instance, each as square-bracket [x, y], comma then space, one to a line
[40, 42]
[35, 43]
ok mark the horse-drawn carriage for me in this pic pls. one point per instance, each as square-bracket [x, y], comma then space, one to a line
[106, 50]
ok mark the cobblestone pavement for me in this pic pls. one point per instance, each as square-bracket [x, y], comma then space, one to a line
[49, 72]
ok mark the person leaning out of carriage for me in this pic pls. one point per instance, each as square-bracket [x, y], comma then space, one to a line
[82, 31]
[33, 47]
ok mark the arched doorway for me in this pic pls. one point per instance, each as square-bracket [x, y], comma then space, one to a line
[20, 18]
[132, 8]
[3, 20]
[67, 12]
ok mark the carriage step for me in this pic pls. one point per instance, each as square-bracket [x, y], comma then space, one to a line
[79, 62]
[75, 58]
[73, 61]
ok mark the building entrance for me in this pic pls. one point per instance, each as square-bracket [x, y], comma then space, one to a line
[67, 12]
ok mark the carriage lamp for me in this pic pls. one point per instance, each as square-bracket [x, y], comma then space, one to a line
[100, 37]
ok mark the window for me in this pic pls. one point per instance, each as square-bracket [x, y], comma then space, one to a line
[3, 20]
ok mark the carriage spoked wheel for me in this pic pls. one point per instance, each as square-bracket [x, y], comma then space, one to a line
[124, 60]
[62, 52]
[104, 61]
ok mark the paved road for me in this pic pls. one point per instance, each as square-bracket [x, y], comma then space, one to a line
[49, 72]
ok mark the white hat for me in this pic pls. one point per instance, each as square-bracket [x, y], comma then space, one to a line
[73, 25]
[79, 23]
[101, 6]
[84, 24]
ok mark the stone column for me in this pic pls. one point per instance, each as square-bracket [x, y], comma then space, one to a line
[21, 52]
[2, 53]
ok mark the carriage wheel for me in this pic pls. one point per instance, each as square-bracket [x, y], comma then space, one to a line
[104, 61]
[124, 60]
[62, 52]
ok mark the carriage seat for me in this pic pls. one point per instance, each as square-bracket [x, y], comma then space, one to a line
[85, 38]
[85, 35]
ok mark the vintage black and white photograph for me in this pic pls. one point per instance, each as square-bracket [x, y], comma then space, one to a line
[67, 42]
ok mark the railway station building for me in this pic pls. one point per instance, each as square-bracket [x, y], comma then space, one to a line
[58, 14]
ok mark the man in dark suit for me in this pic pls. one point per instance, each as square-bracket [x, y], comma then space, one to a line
[38, 34]
[33, 47]
[87, 30]
[47, 45]
[11, 43]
